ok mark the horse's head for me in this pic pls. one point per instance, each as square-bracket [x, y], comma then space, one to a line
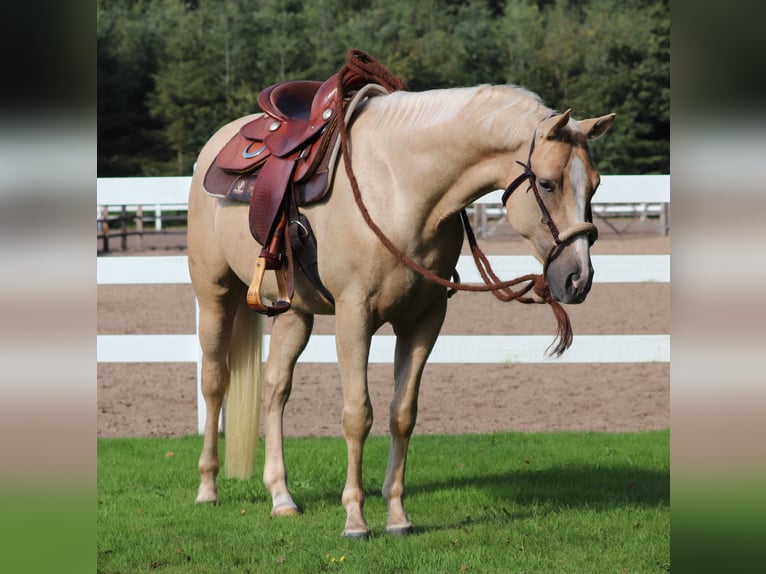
[551, 204]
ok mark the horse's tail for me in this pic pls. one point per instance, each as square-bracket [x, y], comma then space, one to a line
[243, 405]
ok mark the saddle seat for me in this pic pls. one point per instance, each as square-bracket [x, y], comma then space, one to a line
[289, 100]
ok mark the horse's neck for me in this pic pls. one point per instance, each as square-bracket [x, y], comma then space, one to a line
[447, 148]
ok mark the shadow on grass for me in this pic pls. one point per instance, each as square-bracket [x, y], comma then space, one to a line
[601, 488]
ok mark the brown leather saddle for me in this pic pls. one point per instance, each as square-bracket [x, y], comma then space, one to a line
[281, 161]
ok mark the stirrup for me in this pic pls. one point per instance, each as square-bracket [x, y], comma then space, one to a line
[254, 300]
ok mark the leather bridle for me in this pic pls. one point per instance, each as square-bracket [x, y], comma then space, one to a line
[559, 238]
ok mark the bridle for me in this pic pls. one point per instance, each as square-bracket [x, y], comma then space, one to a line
[559, 238]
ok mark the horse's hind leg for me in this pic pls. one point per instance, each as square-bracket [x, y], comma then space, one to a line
[289, 335]
[414, 342]
[217, 308]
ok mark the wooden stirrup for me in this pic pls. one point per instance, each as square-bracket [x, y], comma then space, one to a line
[254, 300]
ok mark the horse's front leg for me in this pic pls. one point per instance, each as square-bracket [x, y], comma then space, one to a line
[289, 335]
[353, 334]
[414, 342]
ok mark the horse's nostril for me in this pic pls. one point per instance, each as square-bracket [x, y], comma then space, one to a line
[573, 281]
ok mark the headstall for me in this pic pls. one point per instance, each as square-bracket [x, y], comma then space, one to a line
[587, 227]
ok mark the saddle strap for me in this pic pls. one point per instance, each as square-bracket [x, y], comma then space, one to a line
[269, 192]
[301, 249]
[304, 247]
[268, 224]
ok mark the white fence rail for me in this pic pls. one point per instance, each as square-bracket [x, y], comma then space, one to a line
[174, 191]
[449, 349]
[627, 195]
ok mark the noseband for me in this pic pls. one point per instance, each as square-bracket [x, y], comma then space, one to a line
[559, 238]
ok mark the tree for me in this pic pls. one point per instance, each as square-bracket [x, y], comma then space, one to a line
[627, 70]
[171, 72]
[591, 57]
[127, 56]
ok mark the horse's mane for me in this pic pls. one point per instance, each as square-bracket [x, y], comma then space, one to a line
[484, 106]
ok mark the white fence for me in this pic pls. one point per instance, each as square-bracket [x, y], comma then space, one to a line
[615, 190]
[619, 195]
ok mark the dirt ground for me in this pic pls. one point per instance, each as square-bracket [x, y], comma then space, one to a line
[160, 399]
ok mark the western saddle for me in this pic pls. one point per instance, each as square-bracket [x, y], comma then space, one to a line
[284, 159]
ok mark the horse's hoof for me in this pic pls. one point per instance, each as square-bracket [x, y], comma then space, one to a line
[400, 531]
[285, 511]
[206, 497]
[357, 535]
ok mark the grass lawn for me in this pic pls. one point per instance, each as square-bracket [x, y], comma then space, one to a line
[507, 502]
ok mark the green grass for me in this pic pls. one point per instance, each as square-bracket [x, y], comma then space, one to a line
[508, 502]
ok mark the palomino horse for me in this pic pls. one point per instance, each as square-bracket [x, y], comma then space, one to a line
[419, 159]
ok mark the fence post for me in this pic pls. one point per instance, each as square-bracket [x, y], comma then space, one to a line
[124, 227]
[480, 219]
[105, 227]
[140, 224]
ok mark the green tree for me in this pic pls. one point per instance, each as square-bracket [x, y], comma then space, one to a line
[170, 72]
[523, 31]
[127, 57]
[545, 47]
[189, 86]
[627, 70]
[596, 57]
[210, 72]
[478, 36]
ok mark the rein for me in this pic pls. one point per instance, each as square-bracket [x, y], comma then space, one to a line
[367, 67]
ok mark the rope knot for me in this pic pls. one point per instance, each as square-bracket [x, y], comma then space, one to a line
[540, 290]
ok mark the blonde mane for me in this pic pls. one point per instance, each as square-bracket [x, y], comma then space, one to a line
[487, 108]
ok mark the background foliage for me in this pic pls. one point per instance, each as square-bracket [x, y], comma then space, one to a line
[170, 72]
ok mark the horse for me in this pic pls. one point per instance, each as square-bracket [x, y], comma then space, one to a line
[418, 159]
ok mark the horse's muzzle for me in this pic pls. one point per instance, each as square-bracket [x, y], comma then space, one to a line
[569, 273]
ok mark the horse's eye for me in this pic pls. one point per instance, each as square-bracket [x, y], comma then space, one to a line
[546, 185]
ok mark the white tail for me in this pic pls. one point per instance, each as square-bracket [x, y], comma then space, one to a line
[243, 403]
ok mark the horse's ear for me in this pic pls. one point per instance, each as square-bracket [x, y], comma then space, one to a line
[594, 127]
[553, 125]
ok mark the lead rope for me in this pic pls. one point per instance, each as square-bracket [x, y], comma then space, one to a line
[373, 72]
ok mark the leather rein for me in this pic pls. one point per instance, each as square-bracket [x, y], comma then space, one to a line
[360, 62]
